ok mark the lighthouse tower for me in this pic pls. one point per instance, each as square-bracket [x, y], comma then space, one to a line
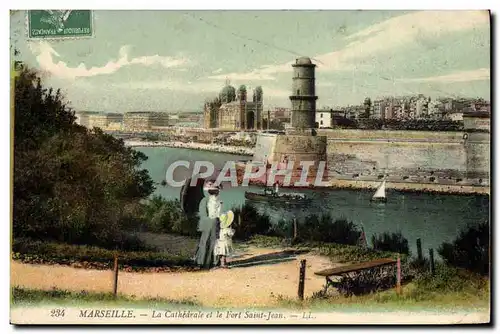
[303, 96]
[299, 144]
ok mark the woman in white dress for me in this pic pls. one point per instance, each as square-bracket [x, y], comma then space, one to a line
[210, 209]
[224, 244]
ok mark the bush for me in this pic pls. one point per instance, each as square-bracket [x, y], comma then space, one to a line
[390, 242]
[349, 253]
[470, 250]
[165, 216]
[249, 222]
[324, 229]
[448, 279]
[283, 228]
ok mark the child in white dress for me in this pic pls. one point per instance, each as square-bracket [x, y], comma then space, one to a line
[224, 244]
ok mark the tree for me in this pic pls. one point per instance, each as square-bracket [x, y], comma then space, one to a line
[71, 184]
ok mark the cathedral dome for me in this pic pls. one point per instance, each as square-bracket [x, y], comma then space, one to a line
[227, 94]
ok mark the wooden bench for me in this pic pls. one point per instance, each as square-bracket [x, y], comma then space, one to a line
[352, 268]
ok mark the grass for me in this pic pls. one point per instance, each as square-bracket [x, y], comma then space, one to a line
[265, 241]
[29, 251]
[448, 289]
[410, 299]
[29, 297]
[336, 252]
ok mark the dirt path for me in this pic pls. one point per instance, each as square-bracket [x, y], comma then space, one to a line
[255, 285]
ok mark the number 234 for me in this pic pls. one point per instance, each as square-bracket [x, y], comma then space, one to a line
[57, 313]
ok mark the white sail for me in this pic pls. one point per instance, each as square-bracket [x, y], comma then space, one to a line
[380, 193]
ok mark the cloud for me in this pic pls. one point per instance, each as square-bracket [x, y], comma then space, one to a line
[250, 76]
[219, 70]
[45, 56]
[172, 85]
[399, 31]
[463, 76]
[203, 87]
[382, 37]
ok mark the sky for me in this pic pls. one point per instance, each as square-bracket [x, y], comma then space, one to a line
[173, 61]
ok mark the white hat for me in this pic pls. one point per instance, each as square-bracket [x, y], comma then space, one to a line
[226, 219]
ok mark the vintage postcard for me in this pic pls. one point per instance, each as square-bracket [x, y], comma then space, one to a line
[250, 167]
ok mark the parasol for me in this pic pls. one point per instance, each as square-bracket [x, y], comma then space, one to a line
[191, 196]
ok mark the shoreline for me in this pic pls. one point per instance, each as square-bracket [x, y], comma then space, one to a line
[404, 187]
[333, 184]
[372, 185]
[407, 187]
[236, 150]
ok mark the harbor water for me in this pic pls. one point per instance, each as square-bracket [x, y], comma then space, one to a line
[434, 218]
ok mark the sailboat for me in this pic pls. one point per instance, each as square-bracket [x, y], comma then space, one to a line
[379, 195]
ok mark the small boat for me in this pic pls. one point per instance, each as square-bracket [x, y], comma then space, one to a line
[269, 196]
[379, 195]
[274, 196]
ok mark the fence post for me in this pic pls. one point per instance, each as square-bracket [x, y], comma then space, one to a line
[419, 250]
[115, 282]
[302, 277]
[431, 259]
[398, 276]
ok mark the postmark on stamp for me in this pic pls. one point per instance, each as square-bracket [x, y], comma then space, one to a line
[56, 24]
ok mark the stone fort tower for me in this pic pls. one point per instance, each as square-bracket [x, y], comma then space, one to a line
[299, 143]
[303, 96]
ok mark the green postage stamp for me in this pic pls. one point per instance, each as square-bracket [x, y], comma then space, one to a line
[60, 23]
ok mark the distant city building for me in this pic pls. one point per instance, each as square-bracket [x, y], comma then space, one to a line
[97, 121]
[280, 114]
[434, 110]
[173, 119]
[193, 117]
[82, 117]
[324, 118]
[482, 106]
[139, 121]
[378, 109]
[103, 121]
[233, 111]
[455, 116]
[418, 107]
[187, 125]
